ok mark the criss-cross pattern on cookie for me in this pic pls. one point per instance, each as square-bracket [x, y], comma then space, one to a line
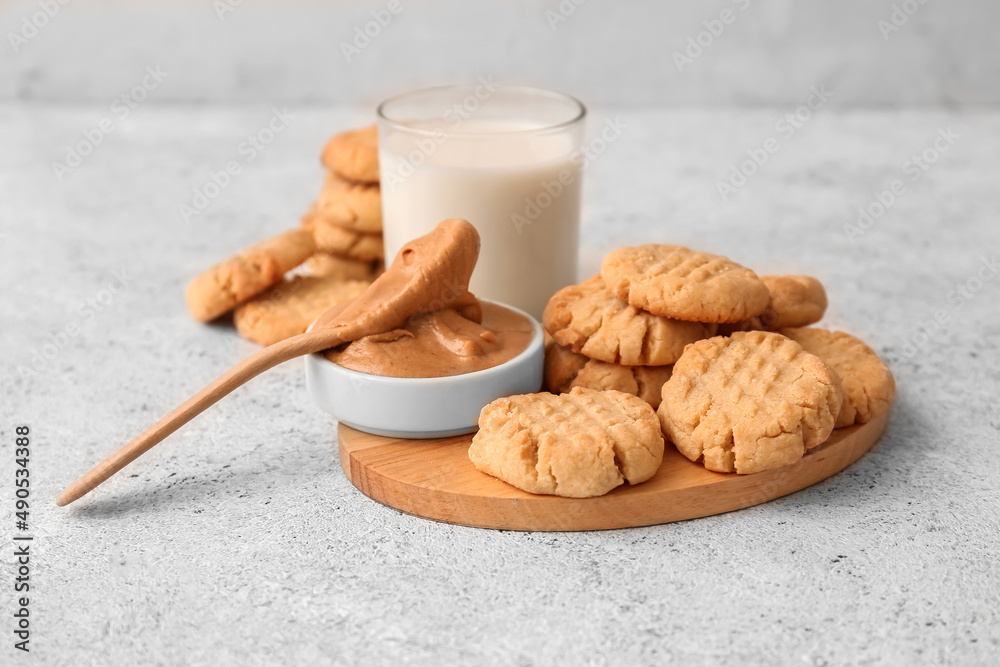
[580, 444]
[590, 320]
[673, 281]
[748, 403]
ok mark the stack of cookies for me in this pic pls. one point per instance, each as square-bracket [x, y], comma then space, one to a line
[269, 297]
[346, 219]
[738, 380]
[624, 328]
[599, 341]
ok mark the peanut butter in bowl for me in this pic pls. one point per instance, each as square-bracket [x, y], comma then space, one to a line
[439, 344]
[423, 354]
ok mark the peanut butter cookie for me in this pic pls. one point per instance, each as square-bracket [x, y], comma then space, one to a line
[354, 155]
[352, 205]
[565, 369]
[288, 308]
[220, 288]
[795, 302]
[334, 266]
[749, 403]
[588, 319]
[331, 237]
[646, 382]
[578, 445]
[673, 281]
[562, 365]
[868, 383]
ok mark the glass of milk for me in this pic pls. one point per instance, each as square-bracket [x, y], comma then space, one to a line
[505, 158]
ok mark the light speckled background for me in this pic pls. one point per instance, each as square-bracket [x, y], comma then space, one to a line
[239, 541]
[621, 53]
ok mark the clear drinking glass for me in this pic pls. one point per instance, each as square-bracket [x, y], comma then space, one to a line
[505, 158]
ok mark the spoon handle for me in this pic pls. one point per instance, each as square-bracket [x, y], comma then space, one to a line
[236, 376]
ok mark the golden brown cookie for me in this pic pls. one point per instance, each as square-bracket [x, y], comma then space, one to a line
[562, 365]
[795, 302]
[354, 155]
[577, 445]
[646, 382]
[565, 369]
[220, 288]
[288, 308]
[334, 266]
[749, 403]
[588, 319]
[355, 206]
[332, 238]
[868, 383]
[673, 281]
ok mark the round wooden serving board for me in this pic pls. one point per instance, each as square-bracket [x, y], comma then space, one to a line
[434, 479]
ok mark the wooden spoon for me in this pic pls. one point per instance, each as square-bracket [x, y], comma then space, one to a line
[429, 273]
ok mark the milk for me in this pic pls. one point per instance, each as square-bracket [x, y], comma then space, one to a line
[521, 190]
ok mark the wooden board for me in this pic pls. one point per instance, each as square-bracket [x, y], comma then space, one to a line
[434, 479]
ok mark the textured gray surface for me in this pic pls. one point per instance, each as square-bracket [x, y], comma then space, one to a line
[239, 541]
[873, 52]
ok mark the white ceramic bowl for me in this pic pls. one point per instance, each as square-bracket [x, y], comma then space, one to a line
[422, 407]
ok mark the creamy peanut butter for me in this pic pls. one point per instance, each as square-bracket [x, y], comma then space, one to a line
[418, 319]
[439, 343]
[428, 274]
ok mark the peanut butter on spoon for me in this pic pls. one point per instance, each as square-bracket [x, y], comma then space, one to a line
[420, 320]
[430, 273]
